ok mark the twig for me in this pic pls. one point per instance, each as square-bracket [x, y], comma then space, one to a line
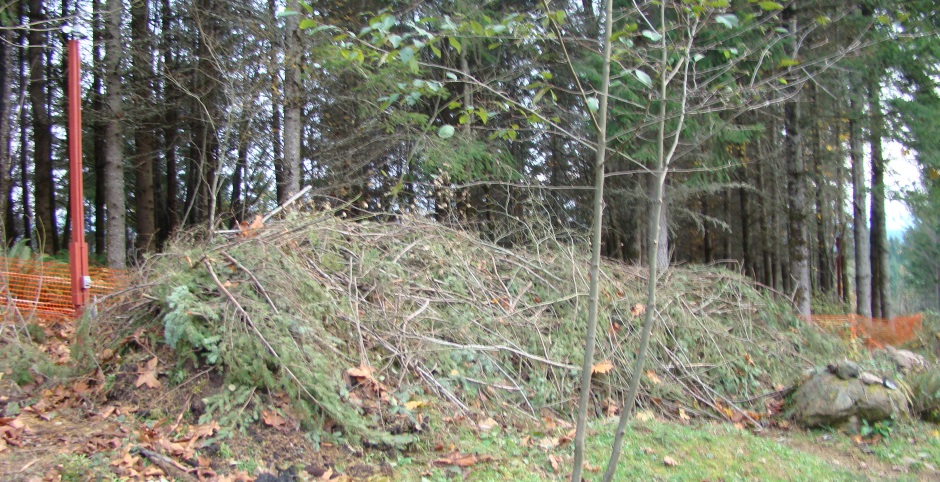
[493, 348]
[290, 201]
[170, 466]
[252, 276]
[251, 324]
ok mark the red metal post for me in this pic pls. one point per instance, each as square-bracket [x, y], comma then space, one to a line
[78, 250]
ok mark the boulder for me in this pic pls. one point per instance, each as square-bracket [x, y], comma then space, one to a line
[925, 394]
[826, 400]
[907, 360]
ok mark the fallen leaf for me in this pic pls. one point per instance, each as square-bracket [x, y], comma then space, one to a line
[461, 459]
[273, 419]
[611, 408]
[567, 438]
[603, 367]
[548, 443]
[682, 415]
[554, 462]
[487, 424]
[645, 416]
[637, 309]
[748, 359]
[654, 377]
[362, 371]
[415, 404]
[148, 374]
[669, 461]
[247, 230]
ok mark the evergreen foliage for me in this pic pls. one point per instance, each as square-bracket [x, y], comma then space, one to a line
[440, 311]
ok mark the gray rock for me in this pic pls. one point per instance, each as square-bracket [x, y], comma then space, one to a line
[828, 400]
[870, 379]
[844, 370]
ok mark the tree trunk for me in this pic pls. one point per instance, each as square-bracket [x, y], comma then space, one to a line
[706, 238]
[292, 106]
[662, 238]
[747, 261]
[42, 133]
[98, 143]
[824, 271]
[6, 133]
[24, 140]
[241, 167]
[881, 274]
[144, 137]
[113, 137]
[859, 213]
[796, 190]
[598, 217]
[170, 119]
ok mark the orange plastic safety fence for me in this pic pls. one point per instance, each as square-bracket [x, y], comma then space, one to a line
[874, 332]
[44, 289]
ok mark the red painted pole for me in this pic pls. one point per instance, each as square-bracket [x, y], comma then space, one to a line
[78, 250]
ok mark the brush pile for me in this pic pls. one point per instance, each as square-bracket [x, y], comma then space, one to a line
[363, 322]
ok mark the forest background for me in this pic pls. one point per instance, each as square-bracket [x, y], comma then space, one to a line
[202, 114]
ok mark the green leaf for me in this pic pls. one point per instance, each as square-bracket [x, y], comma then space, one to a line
[540, 94]
[593, 104]
[883, 19]
[823, 20]
[286, 13]
[788, 62]
[654, 36]
[446, 132]
[454, 43]
[697, 57]
[643, 77]
[729, 20]
[406, 54]
[770, 6]
[307, 23]
[395, 40]
[483, 115]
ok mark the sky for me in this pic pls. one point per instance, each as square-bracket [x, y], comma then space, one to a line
[901, 174]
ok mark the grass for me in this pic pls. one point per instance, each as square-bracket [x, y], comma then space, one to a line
[704, 451]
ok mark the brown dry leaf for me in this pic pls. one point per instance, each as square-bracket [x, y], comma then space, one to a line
[273, 419]
[415, 404]
[554, 462]
[107, 411]
[669, 461]
[247, 230]
[148, 374]
[645, 416]
[603, 367]
[590, 468]
[566, 438]
[487, 425]
[611, 408]
[548, 443]
[748, 359]
[654, 377]
[683, 416]
[206, 429]
[637, 309]
[461, 460]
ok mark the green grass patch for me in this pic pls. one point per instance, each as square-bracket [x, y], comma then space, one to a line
[702, 452]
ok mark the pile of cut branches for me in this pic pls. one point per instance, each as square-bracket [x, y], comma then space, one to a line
[323, 308]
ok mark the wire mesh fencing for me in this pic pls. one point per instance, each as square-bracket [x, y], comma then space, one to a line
[43, 289]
